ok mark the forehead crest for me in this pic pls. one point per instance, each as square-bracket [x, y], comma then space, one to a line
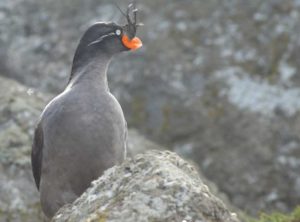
[131, 27]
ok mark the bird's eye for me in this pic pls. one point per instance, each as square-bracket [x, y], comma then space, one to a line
[118, 32]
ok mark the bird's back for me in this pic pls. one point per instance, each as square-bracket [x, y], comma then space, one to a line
[84, 134]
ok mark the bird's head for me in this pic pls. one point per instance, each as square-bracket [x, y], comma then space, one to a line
[106, 39]
[110, 38]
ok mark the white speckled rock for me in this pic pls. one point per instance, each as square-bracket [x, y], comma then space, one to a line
[19, 110]
[156, 186]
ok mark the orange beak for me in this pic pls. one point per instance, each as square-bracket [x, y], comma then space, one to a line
[132, 44]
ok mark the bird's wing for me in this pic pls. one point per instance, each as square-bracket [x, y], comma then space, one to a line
[37, 154]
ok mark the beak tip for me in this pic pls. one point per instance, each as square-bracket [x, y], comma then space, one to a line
[132, 44]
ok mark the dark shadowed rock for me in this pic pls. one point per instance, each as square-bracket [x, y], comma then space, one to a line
[156, 186]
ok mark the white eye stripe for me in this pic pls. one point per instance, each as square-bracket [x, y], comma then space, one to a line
[118, 32]
[101, 38]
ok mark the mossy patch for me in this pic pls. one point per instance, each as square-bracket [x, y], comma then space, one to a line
[279, 217]
[165, 126]
[102, 217]
[138, 110]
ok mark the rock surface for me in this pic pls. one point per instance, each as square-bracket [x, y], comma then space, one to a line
[20, 108]
[156, 186]
[217, 81]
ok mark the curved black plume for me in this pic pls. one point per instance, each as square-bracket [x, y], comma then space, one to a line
[131, 26]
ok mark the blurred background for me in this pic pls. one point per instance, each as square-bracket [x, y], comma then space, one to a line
[216, 81]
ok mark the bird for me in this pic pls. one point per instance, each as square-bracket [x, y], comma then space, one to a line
[83, 131]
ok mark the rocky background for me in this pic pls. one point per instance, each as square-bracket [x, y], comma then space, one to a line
[216, 81]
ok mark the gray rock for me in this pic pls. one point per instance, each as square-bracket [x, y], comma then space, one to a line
[156, 186]
[19, 110]
[215, 81]
[138, 144]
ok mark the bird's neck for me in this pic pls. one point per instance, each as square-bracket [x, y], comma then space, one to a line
[92, 73]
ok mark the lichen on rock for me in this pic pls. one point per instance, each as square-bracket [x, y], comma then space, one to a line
[19, 110]
[155, 186]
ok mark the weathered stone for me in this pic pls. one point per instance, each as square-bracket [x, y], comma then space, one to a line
[216, 81]
[156, 186]
[19, 110]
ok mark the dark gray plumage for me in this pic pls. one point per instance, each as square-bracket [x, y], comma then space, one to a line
[82, 131]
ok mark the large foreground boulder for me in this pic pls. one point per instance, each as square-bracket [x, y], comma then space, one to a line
[156, 186]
